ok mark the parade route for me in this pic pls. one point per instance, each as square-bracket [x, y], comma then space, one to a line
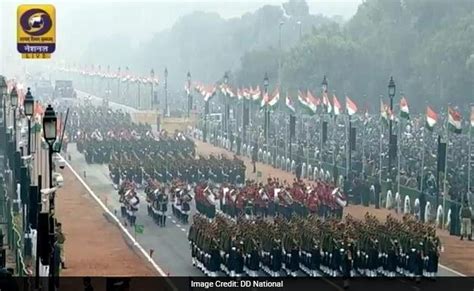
[169, 244]
[455, 247]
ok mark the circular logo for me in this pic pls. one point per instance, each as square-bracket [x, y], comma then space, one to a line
[36, 22]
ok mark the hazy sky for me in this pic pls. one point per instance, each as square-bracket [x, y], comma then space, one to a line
[80, 22]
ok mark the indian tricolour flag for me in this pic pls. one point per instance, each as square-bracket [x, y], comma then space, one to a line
[240, 94]
[327, 103]
[337, 105]
[209, 92]
[289, 104]
[273, 101]
[431, 118]
[350, 106]
[313, 102]
[305, 105]
[404, 111]
[255, 94]
[454, 120]
[383, 112]
[472, 116]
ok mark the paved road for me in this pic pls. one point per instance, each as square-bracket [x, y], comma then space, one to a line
[170, 244]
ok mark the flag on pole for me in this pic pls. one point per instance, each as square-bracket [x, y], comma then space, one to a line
[366, 115]
[230, 92]
[337, 105]
[383, 112]
[313, 102]
[289, 104]
[209, 92]
[273, 101]
[327, 103]
[240, 94]
[306, 104]
[454, 120]
[431, 118]
[350, 106]
[472, 116]
[255, 94]
[404, 111]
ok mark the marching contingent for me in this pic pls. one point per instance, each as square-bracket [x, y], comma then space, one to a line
[315, 246]
[244, 227]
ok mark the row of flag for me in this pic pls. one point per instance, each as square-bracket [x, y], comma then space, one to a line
[310, 104]
[124, 76]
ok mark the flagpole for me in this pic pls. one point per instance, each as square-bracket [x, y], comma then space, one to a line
[307, 142]
[423, 133]
[445, 166]
[469, 151]
[287, 130]
[399, 152]
[380, 154]
[363, 151]
[348, 147]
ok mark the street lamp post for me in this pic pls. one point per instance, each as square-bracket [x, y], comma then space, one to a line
[29, 105]
[3, 92]
[391, 95]
[190, 101]
[166, 93]
[267, 113]
[50, 135]
[14, 104]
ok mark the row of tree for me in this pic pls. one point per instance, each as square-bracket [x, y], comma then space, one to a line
[426, 45]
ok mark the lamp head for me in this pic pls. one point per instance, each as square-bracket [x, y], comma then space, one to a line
[50, 125]
[325, 83]
[14, 97]
[391, 88]
[226, 78]
[29, 103]
[265, 80]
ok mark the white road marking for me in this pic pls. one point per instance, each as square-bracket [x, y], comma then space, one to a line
[169, 216]
[178, 225]
[184, 230]
[174, 221]
[122, 227]
[452, 271]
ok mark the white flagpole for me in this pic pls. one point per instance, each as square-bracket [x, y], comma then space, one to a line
[363, 150]
[380, 152]
[399, 152]
[445, 167]
[307, 142]
[423, 133]
[347, 145]
[469, 152]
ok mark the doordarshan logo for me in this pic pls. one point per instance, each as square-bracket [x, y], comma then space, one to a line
[36, 22]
